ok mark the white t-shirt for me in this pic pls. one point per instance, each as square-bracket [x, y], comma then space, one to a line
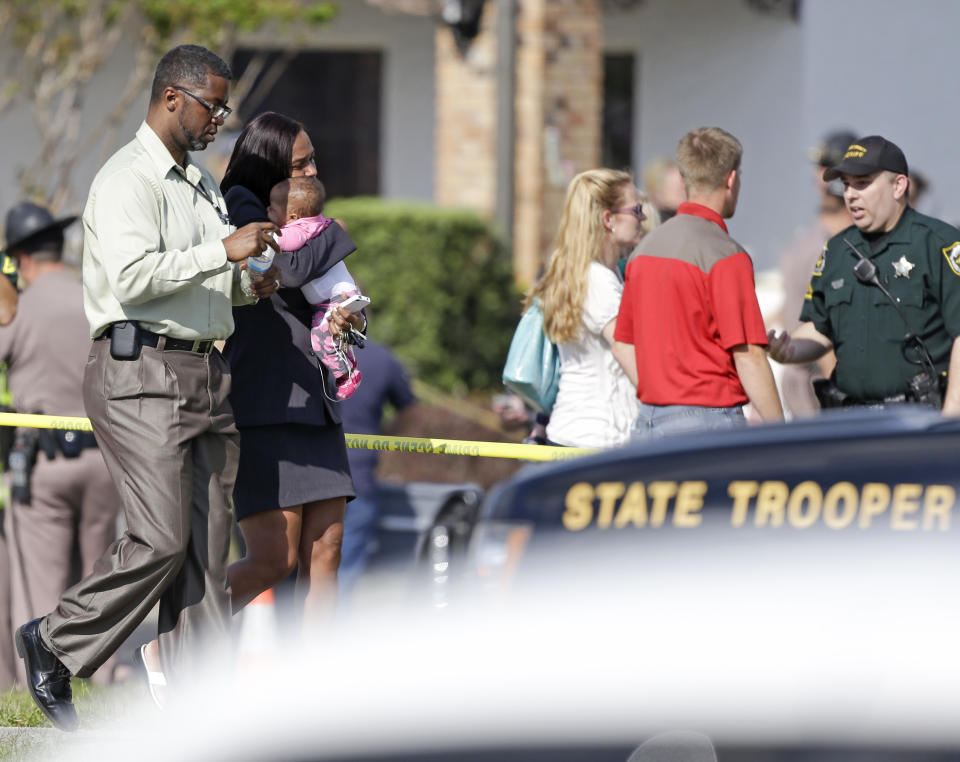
[596, 403]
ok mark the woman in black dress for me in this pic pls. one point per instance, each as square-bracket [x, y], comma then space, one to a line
[293, 480]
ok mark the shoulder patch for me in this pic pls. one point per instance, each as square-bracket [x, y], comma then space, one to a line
[809, 295]
[952, 255]
[821, 261]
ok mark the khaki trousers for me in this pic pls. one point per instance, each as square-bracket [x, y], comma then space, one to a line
[54, 541]
[167, 434]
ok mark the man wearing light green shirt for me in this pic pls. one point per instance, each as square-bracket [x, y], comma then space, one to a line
[162, 269]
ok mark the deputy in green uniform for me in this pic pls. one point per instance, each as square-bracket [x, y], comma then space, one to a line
[914, 291]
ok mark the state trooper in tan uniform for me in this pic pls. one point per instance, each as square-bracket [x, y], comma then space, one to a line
[63, 508]
[8, 308]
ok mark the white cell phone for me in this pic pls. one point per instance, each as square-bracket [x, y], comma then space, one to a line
[355, 303]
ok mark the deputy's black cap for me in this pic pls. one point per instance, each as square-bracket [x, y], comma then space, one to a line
[868, 155]
[27, 220]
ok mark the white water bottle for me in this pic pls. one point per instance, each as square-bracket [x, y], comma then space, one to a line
[258, 265]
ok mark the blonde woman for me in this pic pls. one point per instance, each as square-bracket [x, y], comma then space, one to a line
[579, 293]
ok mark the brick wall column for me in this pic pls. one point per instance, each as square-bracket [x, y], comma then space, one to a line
[559, 106]
[557, 112]
[466, 118]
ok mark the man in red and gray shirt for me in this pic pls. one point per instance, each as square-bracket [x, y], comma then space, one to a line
[689, 333]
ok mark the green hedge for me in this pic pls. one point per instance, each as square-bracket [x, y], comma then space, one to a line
[441, 284]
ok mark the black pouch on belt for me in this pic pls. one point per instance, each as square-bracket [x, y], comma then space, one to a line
[22, 459]
[71, 443]
[68, 442]
[828, 394]
[125, 340]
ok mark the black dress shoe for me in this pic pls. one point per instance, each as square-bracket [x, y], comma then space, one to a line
[47, 677]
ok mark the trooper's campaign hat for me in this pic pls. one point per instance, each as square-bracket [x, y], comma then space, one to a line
[26, 221]
[831, 149]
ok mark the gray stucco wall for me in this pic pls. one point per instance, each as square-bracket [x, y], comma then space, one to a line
[874, 66]
[776, 83]
[902, 85]
[703, 62]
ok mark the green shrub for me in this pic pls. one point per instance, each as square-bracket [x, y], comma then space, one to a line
[441, 284]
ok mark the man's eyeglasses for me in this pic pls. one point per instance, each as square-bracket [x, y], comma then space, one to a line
[217, 113]
[636, 211]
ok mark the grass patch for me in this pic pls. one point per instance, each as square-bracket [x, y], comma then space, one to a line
[17, 710]
[95, 704]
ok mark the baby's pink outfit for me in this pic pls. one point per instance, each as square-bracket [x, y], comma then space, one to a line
[325, 293]
[296, 233]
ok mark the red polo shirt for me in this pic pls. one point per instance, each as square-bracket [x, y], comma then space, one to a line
[689, 298]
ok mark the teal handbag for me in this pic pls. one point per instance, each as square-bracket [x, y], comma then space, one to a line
[532, 371]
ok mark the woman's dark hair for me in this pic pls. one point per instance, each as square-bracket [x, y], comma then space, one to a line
[262, 154]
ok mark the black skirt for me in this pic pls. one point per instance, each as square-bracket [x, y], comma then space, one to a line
[290, 464]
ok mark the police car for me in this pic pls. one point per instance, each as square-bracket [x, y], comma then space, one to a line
[698, 649]
[841, 475]
[780, 594]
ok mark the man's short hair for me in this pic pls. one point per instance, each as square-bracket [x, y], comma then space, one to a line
[706, 156]
[187, 65]
[655, 173]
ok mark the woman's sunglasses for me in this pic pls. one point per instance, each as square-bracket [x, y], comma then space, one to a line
[636, 211]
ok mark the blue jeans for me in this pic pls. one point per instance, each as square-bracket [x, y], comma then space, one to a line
[656, 421]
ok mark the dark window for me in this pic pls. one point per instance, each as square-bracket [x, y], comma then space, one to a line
[336, 95]
[618, 110]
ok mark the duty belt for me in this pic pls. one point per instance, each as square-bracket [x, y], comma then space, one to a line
[67, 442]
[892, 400]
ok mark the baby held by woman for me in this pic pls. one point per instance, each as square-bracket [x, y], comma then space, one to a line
[296, 207]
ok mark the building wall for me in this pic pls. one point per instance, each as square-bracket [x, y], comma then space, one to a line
[898, 84]
[21, 140]
[777, 84]
[717, 62]
[407, 45]
[558, 115]
[465, 151]
[407, 90]
[780, 86]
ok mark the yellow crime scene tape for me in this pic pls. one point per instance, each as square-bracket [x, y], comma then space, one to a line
[358, 441]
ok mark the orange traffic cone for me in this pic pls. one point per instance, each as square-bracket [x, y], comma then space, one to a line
[258, 630]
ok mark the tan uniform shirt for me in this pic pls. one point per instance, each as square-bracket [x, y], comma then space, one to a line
[46, 346]
[152, 246]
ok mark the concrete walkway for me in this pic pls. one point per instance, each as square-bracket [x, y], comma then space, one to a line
[29, 743]
[34, 744]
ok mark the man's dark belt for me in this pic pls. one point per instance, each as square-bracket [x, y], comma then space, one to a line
[84, 439]
[151, 339]
[830, 396]
[896, 399]
[69, 442]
